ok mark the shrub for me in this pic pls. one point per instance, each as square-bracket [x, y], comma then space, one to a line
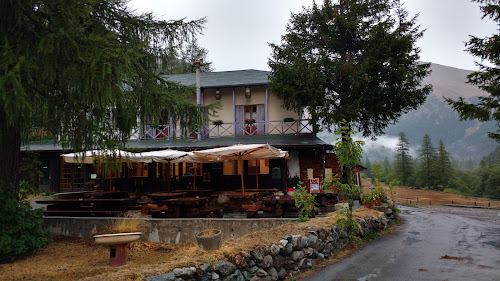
[22, 232]
[304, 201]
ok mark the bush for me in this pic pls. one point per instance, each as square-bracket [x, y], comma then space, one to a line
[305, 201]
[21, 232]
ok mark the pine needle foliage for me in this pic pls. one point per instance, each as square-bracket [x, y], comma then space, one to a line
[87, 72]
[350, 60]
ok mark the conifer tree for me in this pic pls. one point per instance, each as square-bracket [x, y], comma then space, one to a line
[426, 174]
[350, 60]
[85, 72]
[488, 76]
[444, 167]
[403, 165]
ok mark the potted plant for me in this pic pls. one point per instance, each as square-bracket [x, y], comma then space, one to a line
[217, 122]
[379, 195]
[367, 199]
[288, 119]
[209, 239]
[249, 121]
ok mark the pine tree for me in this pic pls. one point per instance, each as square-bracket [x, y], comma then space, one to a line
[443, 166]
[350, 60]
[426, 174]
[488, 76]
[403, 163]
[84, 71]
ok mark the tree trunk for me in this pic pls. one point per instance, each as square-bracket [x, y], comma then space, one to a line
[10, 153]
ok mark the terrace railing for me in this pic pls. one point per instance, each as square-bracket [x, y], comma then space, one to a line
[295, 127]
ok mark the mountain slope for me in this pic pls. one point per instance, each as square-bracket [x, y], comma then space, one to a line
[464, 140]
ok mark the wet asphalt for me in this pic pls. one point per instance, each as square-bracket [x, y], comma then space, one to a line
[416, 250]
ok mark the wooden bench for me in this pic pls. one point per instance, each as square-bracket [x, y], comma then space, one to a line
[82, 213]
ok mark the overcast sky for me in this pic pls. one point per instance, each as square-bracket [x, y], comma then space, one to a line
[237, 32]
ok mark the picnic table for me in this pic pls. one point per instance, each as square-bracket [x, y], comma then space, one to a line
[262, 192]
[276, 206]
[236, 200]
[159, 197]
[196, 192]
[87, 206]
[188, 207]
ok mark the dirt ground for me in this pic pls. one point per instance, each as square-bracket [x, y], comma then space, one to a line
[436, 198]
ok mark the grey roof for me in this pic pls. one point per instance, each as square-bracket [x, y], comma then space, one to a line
[286, 142]
[238, 78]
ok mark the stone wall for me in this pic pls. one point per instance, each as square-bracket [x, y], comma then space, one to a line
[292, 254]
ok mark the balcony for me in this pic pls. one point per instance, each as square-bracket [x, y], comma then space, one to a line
[296, 127]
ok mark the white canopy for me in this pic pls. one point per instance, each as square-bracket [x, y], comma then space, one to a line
[164, 156]
[91, 156]
[242, 152]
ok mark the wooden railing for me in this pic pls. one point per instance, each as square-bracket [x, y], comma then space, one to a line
[231, 130]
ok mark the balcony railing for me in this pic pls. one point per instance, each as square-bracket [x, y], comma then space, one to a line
[231, 130]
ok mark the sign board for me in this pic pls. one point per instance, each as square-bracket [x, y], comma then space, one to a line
[276, 173]
[314, 185]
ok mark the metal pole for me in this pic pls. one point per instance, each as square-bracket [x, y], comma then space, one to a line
[196, 65]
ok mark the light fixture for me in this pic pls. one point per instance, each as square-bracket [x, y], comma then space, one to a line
[217, 94]
[248, 94]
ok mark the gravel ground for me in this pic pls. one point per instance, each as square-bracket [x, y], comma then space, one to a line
[486, 215]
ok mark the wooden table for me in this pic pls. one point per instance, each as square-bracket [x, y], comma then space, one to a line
[87, 206]
[158, 197]
[188, 207]
[279, 205]
[197, 192]
[236, 199]
[107, 194]
[262, 192]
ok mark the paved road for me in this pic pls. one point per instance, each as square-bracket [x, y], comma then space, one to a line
[415, 252]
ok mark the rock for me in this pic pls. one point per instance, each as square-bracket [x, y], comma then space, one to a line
[184, 272]
[320, 256]
[253, 269]
[288, 238]
[203, 277]
[297, 255]
[273, 273]
[215, 276]
[305, 263]
[297, 242]
[205, 267]
[288, 250]
[279, 261]
[305, 241]
[282, 274]
[322, 234]
[258, 253]
[313, 240]
[274, 250]
[163, 277]
[224, 268]
[267, 262]
[250, 263]
[261, 272]
[284, 242]
[388, 212]
[308, 252]
[239, 260]
[247, 275]
[235, 276]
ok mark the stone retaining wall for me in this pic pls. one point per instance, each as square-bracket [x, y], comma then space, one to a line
[292, 254]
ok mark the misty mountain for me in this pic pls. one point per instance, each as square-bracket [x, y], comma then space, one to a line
[463, 139]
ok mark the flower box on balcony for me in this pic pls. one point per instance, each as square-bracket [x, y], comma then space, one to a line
[288, 119]
[217, 122]
[249, 121]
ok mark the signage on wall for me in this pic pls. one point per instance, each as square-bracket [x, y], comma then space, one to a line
[276, 173]
[314, 185]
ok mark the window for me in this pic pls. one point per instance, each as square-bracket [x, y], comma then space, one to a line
[250, 112]
[230, 168]
[258, 166]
